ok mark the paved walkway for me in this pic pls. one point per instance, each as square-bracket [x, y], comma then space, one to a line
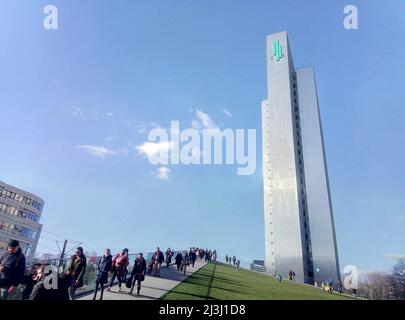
[152, 288]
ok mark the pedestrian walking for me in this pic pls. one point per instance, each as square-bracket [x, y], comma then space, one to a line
[169, 254]
[330, 283]
[193, 258]
[150, 265]
[76, 272]
[103, 267]
[138, 274]
[119, 263]
[185, 262]
[158, 258]
[12, 268]
[178, 259]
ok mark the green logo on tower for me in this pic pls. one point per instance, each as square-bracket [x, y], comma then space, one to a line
[277, 50]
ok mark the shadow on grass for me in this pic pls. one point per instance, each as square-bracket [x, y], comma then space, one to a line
[210, 286]
[220, 279]
[205, 278]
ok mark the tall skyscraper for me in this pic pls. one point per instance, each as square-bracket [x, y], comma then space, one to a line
[299, 227]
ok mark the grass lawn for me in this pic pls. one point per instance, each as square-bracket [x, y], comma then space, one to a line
[223, 282]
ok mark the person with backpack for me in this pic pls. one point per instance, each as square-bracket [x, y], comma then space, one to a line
[76, 272]
[103, 267]
[138, 273]
[12, 268]
[119, 263]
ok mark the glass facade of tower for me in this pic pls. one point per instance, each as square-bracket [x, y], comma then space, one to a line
[296, 189]
[20, 213]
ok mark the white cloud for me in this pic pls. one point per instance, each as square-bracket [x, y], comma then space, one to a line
[98, 151]
[110, 114]
[205, 120]
[227, 112]
[108, 138]
[162, 173]
[394, 256]
[151, 149]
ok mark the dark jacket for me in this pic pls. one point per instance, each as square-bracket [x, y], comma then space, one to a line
[14, 267]
[103, 267]
[186, 259]
[139, 267]
[169, 255]
[179, 258]
[160, 258]
[40, 292]
[29, 283]
[77, 269]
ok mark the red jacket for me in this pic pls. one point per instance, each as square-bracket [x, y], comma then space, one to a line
[120, 262]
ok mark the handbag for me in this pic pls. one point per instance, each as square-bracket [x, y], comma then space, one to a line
[128, 284]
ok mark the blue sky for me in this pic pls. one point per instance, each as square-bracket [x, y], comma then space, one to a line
[75, 102]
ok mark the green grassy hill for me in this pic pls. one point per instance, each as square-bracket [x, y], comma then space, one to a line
[223, 282]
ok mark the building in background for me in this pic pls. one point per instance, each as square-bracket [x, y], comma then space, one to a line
[299, 226]
[258, 265]
[20, 212]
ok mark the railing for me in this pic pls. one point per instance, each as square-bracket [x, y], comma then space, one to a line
[89, 280]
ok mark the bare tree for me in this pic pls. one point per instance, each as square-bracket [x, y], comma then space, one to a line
[397, 280]
[376, 286]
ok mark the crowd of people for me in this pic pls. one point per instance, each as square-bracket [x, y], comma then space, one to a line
[109, 269]
[230, 260]
[327, 286]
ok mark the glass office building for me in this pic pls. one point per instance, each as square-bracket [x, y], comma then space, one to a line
[20, 212]
[299, 227]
